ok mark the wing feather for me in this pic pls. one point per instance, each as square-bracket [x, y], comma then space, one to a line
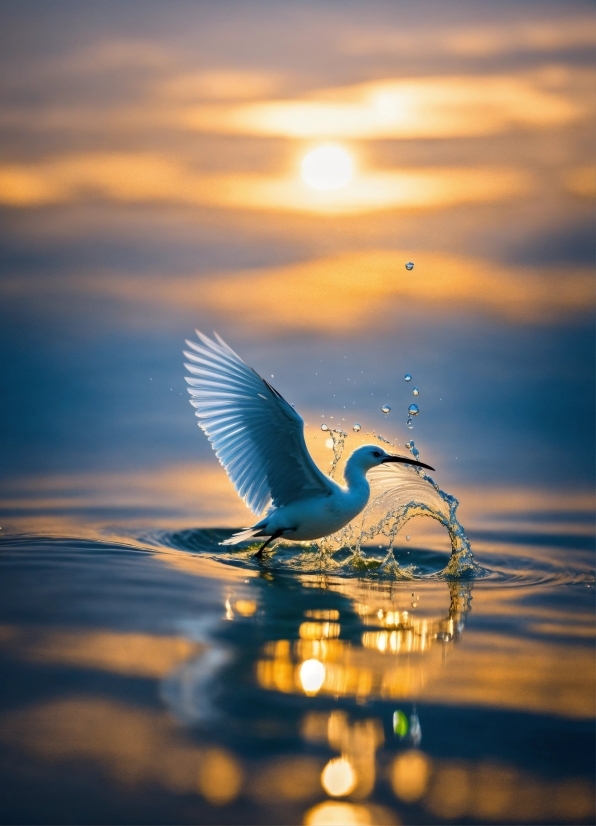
[257, 436]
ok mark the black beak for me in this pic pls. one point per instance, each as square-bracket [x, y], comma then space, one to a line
[406, 461]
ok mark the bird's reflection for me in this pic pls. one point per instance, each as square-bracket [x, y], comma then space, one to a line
[393, 655]
[345, 642]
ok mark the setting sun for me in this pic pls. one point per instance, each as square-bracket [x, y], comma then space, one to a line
[327, 168]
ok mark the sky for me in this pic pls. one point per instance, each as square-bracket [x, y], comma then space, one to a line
[150, 184]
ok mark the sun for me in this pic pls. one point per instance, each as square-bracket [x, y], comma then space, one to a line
[327, 168]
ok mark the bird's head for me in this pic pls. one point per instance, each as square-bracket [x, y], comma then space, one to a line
[369, 456]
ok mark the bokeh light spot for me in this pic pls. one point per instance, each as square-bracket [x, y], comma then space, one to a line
[338, 777]
[409, 775]
[312, 675]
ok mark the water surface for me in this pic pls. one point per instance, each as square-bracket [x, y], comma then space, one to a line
[148, 679]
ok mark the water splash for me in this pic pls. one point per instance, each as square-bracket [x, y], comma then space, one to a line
[411, 446]
[398, 494]
[339, 439]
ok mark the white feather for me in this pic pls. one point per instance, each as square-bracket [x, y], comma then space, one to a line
[251, 426]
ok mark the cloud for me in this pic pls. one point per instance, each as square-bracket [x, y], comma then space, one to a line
[150, 178]
[220, 84]
[365, 290]
[581, 181]
[538, 36]
[350, 292]
[424, 107]
[112, 55]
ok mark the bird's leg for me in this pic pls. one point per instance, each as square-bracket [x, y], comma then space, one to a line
[259, 553]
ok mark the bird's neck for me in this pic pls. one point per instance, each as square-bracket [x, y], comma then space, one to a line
[356, 480]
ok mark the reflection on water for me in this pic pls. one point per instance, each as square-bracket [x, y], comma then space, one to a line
[288, 698]
[393, 661]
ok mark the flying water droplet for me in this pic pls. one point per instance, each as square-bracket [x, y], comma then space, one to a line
[408, 377]
[356, 427]
[411, 446]
[415, 391]
[413, 410]
[324, 427]
[386, 409]
[408, 538]
[410, 266]
[409, 423]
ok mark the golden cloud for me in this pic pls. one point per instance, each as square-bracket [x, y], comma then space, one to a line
[427, 107]
[147, 178]
[476, 41]
[364, 290]
[218, 85]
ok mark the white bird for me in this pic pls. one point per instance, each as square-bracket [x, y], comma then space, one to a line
[259, 439]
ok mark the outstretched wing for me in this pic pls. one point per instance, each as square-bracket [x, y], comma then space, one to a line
[257, 436]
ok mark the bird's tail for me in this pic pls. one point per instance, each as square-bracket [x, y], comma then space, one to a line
[242, 536]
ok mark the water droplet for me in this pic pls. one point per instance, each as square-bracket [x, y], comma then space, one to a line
[413, 410]
[408, 377]
[410, 266]
[400, 723]
[408, 538]
[415, 391]
[409, 423]
[356, 427]
[386, 408]
[324, 427]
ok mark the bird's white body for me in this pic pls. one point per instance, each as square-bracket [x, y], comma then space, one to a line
[321, 515]
[259, 439]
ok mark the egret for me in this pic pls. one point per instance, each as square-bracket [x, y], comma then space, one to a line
[259, 439]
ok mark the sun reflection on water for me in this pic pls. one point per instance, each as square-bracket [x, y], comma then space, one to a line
[320, 661]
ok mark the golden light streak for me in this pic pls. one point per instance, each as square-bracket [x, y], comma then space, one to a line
[133, 654]
[147, 178]
[568, 32]
[427, 107]
[318, 630]
[367, 286]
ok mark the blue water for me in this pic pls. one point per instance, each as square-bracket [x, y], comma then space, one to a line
[140, 672]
